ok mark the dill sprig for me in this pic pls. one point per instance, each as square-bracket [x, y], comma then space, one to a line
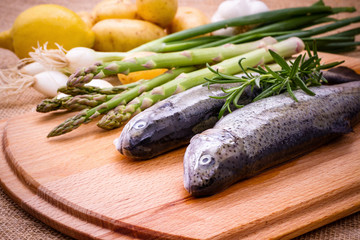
[301, 73]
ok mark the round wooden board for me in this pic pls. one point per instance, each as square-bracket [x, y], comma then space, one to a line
[80, 185]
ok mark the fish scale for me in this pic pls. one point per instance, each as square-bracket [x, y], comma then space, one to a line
[266, 133]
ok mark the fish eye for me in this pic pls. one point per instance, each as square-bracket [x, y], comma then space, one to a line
[206, 160]
[140, 125]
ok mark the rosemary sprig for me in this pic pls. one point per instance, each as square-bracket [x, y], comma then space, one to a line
[302, 73]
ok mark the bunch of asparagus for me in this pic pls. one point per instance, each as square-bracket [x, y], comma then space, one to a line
[186, 63]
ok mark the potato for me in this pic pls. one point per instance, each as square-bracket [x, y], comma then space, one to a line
[160, 12]
[187, 17]
[107, 9]
[122, 35]
[87, 17]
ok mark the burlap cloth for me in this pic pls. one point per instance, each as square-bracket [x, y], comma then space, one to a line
[17, 224]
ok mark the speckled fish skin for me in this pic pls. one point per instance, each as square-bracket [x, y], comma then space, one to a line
[266, 133]
[172, 122]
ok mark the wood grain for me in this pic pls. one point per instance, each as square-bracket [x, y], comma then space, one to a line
[80, 185]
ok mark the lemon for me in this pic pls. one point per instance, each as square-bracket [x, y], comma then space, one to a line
[140, 75]
[6, 40]
[49, 23]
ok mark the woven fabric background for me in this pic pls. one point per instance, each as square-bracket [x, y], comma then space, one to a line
[17, 224]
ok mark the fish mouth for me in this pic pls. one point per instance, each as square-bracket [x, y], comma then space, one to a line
[196, 181]
[127, 147]
[207, 178]
[131, 148]
[122, 141]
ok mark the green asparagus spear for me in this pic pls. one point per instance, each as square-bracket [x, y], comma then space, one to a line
[165, 60]
[87, 115]
[73, 103]
[181, 83]
[48, 105]
[81, 102]
[74, 91]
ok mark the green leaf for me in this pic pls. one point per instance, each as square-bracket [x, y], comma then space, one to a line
[303, 87]
[238, 95]
[307, 63]
[279, 60]
[242, 68]
[259, 70]
[330, 65]
[308, 50]
[257, 81]
[265, 93]
[276, 76]
[289, 90]
[315, 48]
[211, 69]
[218, 97]
[295, 67]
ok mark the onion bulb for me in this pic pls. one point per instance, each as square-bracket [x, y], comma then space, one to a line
[69, 61]
[48, 82]
[47, 69]
[236, 8]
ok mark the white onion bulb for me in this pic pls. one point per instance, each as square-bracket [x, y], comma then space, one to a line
[236, 8]
[32, 68]
[80, 57]
[48, 82]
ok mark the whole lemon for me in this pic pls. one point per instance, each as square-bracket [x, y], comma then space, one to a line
[49, 23]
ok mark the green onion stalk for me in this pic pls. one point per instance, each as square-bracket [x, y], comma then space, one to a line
[339, 42]
[321, 29]
[259, 18]
[281, 26]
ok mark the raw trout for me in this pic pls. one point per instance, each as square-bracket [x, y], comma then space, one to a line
[172, 122]
[268, 132]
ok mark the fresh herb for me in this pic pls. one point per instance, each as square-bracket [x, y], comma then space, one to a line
[302, 73]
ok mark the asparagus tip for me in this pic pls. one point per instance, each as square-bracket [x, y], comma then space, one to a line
[67, 126]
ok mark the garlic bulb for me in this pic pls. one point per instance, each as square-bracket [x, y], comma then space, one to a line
[236, 8]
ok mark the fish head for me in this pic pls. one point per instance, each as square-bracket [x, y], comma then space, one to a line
[211, 162]
[135, 137]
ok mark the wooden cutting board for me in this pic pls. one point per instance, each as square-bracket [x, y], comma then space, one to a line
[80, 185]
